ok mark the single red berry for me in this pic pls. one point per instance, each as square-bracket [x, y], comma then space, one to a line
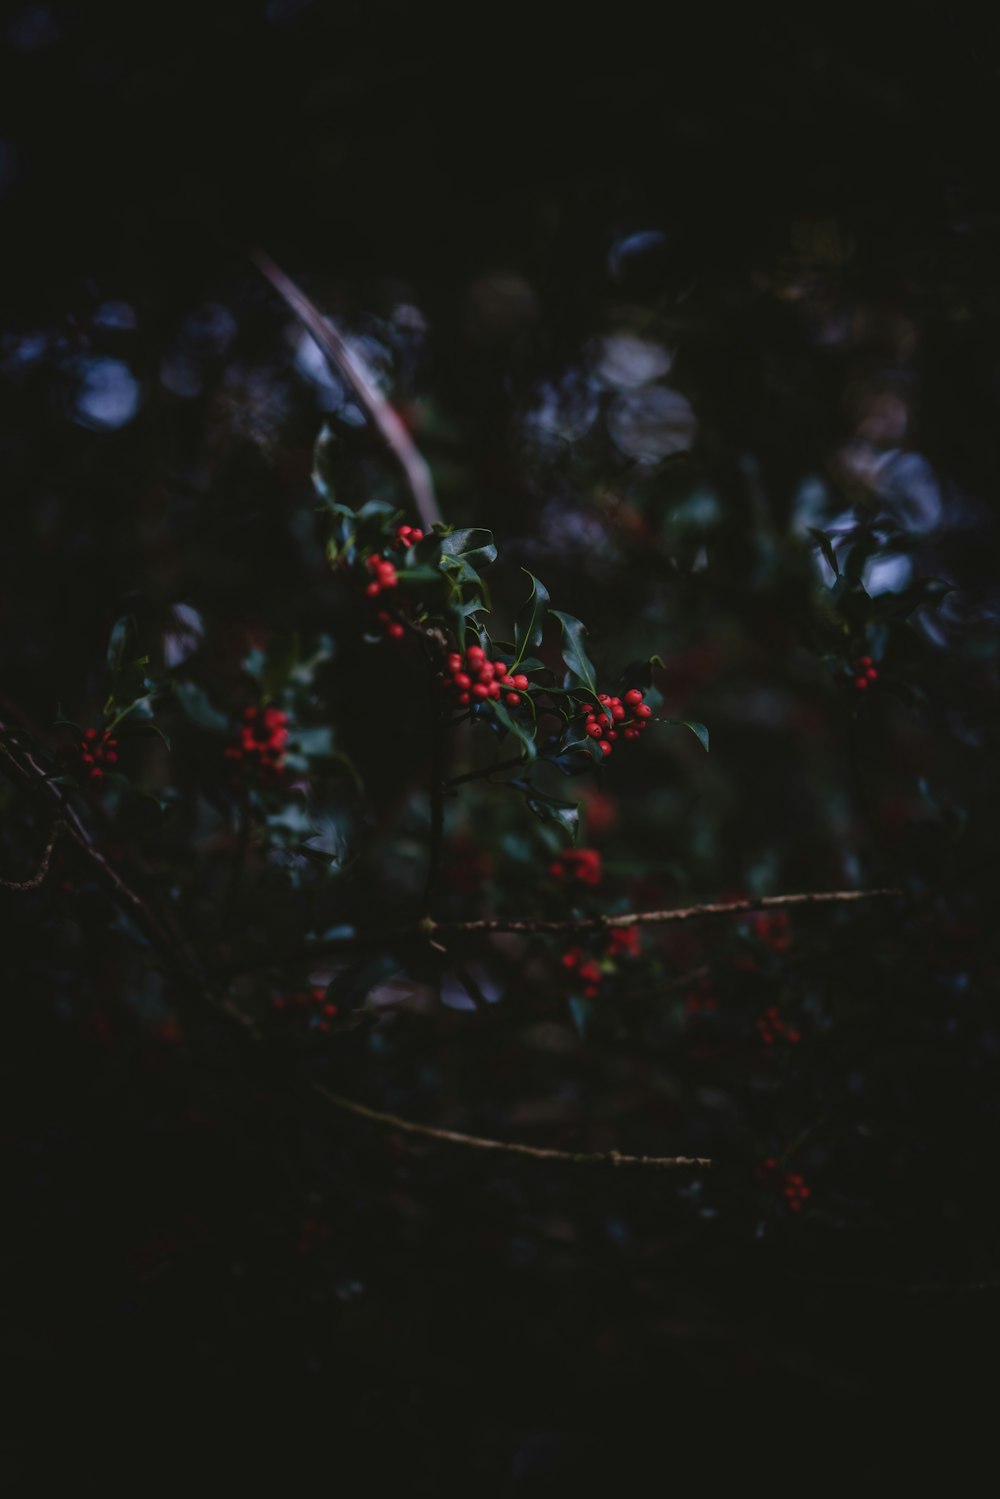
[632, 697]
[520, 681]
[480, 690]
[512, 700]
[861, 683]
[396, 632]
[871, 674]
[475, 655]
[643, 710]
[464, 699]
[463, 681]
[605, 748]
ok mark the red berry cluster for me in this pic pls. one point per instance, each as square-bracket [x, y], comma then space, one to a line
[864, 673]
[408, 536]
[628, 717]
[790, 1184]
[383, 575]
[773, 929]
[586, 970]
[311, 1005]
[624, 942]
[263, 736]
[391, 628]
[771, 1028]
[580, 864]
[97, 752]
[475, 679]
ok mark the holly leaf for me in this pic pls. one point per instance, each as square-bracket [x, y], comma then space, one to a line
[195, 702]
[521, 732]
[825, 545]
[529, 625]
[574, 652]
[698, 729]
[474, 545]
[550, 809]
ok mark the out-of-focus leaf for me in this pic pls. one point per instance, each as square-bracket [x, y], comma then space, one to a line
[196, 704]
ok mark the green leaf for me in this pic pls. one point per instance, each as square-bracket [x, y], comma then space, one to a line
[574, 653]
[826, 547]
[122, 645]
[520, 731]
[698, 729]
[474, 545]
[550, 809]
[529, 625]
[195, 702]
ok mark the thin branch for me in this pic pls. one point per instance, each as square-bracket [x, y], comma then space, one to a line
[33, 882]
[484, 771]
[350, 365]
[507, 1147]
[443, 930]
[175, 954]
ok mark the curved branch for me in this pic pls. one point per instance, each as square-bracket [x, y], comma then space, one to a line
[381, 413]
[508, 1147]
[33, 882]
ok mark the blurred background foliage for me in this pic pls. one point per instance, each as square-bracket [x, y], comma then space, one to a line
[657, 313]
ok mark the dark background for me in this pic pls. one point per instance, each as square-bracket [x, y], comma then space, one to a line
[508, 1329]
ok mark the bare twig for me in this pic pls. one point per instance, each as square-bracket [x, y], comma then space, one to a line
[444, 930]
[507, 1147]
[175, 954]
[484, 771]
[33, 882]
[338, 351]
[652, 918]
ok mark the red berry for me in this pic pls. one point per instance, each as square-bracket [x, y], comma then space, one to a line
[454, 663]
[463, 681]
[605, 747]
[480, 690]
[464, 699]
[871, 674]
[475, 655]
[520, 681]
[643, 710]
[861, 683]
[500, 668]
[864, 661]
[396, 632]
[513, 701]
[632, 697]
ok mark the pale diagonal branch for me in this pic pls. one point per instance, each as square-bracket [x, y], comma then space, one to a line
[378, 409]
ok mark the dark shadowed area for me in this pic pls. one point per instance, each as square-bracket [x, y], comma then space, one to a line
[700, 318]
